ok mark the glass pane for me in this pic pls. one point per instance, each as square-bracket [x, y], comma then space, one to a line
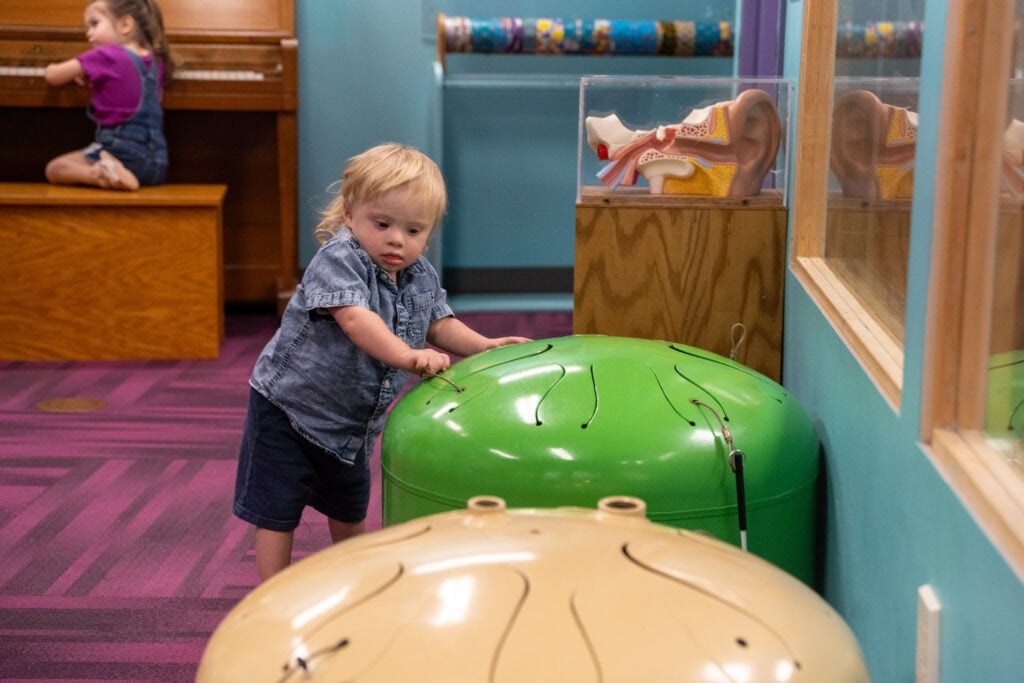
[874, 134]
[1004, 421]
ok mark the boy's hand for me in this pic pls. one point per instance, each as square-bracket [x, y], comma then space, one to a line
[428, 362]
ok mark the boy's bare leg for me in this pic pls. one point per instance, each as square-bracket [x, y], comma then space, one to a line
[273, 551]
[274, 548]
[342, 530]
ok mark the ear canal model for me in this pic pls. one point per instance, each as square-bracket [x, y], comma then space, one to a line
[722, 150]
[873, 146]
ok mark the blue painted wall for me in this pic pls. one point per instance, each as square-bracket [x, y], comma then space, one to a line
[893, 523]
[509, 154]
[359, 85]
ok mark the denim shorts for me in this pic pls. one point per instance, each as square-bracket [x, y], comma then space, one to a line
[280, 472]
[143, 152]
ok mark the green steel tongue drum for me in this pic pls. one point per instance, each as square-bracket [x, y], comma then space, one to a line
[708, 443]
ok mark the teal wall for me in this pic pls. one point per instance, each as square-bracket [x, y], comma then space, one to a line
[358, 86]
[893, 523]
[509, 154]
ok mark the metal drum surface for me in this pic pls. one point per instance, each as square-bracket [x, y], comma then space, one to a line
[571, 420]
[507, 596]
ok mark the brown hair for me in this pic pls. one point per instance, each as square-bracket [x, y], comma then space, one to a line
[150, 23]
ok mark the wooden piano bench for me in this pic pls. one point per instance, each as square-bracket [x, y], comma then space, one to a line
[91, 274]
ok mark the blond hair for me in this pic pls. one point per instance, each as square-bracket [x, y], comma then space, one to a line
[377, 171]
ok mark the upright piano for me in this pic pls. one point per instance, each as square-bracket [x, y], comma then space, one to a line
[230, 117]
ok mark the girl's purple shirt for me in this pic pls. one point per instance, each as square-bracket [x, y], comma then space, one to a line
[116, 85]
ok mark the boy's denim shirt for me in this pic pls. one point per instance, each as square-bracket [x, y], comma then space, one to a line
[334, 393]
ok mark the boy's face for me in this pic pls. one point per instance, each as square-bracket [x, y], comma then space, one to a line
[393, 229]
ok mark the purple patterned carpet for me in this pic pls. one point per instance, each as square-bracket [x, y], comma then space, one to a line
[118, 551]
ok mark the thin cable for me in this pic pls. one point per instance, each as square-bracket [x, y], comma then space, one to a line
[302, 663]
[434, 375]
[725, 430]
[734, 352]
[736, 465]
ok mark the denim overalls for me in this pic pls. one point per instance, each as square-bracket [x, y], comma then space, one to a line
[139, 142]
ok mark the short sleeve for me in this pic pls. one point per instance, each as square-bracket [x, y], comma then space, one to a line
[441, 308]
[340, 274]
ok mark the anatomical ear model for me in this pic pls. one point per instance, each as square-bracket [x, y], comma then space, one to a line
[723, 150]
[873, 146]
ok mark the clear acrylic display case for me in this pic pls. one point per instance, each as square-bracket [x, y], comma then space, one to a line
[683, 139]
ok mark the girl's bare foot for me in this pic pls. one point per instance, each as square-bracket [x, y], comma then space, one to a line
[113, 175]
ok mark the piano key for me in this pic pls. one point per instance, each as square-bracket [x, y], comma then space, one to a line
[36, 71]
[218, 75]
[184, 74]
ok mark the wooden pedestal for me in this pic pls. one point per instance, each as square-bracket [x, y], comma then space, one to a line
[683, 270]
[90, 274]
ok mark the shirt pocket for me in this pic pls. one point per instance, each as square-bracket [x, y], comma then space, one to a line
[421, 301]
[419, 309]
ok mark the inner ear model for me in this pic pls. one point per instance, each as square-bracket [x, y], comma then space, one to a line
[723, 150]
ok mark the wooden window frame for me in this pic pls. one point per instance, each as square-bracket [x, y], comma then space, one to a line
[974, 100]
[860, 329]
[957, 343]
